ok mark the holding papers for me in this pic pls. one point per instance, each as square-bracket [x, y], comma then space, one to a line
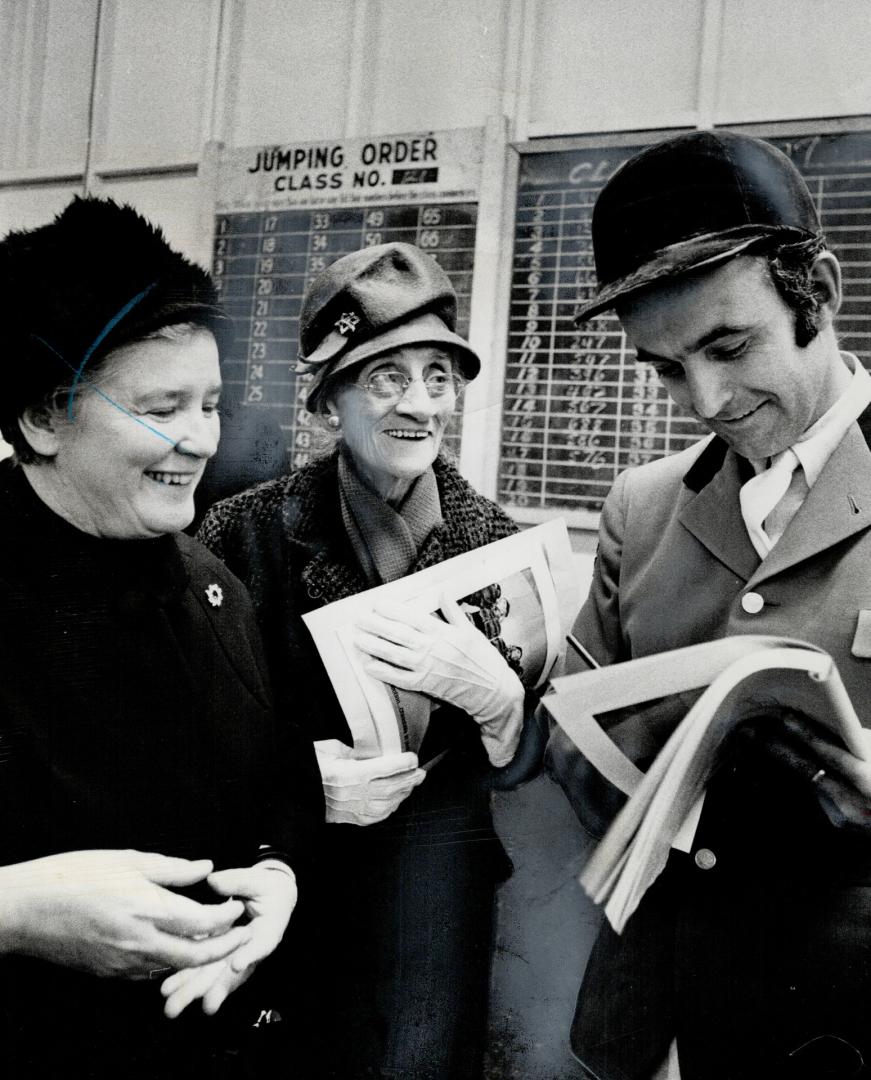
[521, 592]
[745, 676]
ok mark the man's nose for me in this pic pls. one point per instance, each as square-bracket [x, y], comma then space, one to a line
[709, 388]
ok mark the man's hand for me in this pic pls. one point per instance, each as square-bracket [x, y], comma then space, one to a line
[111, 913]
[362, 791]
[450, 661]
[840, 780]
[269, 893]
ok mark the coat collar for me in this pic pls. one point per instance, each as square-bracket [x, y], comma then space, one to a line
[312, 520]
[312, 524]
[139, 574]
[714, 515]
[837, 507]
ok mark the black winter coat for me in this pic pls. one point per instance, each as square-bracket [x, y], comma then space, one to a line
[134, 713]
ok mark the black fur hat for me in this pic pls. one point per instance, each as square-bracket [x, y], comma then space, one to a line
[97, 277]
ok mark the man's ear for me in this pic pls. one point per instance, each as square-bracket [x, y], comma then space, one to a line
[39, 425]
[826, 276]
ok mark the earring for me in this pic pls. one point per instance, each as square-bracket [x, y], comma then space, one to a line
[334, 421]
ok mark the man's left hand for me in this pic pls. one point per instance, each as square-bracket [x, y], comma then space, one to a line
[840, 780]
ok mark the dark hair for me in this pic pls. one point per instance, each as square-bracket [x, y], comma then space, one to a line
[790, 268]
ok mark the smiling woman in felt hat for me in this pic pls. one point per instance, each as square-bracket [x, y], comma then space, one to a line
[138, 750]
[405, 915]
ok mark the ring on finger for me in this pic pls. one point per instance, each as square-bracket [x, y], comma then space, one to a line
[818, 775]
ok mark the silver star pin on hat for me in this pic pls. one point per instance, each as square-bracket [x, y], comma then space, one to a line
[214, 594]
[347, 323]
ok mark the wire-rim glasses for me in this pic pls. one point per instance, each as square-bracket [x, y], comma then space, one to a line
[391, 385]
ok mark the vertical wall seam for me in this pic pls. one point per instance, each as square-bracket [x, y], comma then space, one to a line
[90, 141]
[359, 62]
[710, 61]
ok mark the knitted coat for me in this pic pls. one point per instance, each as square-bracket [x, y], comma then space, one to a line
[286, 540]
[399, 935]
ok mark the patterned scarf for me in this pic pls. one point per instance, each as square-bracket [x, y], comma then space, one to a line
[386, 540]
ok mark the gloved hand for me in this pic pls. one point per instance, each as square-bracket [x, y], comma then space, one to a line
[361, 791]
[450, 661]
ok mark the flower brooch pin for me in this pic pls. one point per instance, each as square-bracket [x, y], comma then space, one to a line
[215, 594]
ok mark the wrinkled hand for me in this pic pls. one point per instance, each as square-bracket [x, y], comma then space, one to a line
[451, 661]
[110, 913]
[269, 894]
[361, 791]
[841, 781]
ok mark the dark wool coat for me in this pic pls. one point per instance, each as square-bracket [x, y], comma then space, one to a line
[400, 938]
[761, 962]
[133, 714]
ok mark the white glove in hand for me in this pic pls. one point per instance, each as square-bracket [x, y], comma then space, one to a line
[451, 661]
[361, 791]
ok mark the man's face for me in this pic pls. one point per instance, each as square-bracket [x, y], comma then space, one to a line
[723, 343]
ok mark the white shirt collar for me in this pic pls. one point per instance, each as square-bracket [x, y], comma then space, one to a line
[814, 448]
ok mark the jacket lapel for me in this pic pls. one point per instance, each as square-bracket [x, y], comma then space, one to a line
[327, 578]
[312, 523]
[714, 515]
[837, 507]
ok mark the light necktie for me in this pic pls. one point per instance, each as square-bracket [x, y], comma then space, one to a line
[770, 499]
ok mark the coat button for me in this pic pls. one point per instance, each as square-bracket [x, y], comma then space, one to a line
[752, 603]
[705, 859]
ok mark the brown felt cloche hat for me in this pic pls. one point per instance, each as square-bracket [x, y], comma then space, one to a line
[371, 302]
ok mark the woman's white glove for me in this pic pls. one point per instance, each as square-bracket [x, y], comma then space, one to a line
[361, 791]
[450, 661]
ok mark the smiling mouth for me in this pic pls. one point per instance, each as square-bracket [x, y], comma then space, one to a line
[405, 433]
[171, 479]
[743, 416]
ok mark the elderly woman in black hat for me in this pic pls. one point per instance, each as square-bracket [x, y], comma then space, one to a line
[151, 817]
[410, 859]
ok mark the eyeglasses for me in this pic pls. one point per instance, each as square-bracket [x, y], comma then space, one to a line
[392, 385]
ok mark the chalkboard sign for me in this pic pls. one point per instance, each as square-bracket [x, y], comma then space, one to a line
[577, 409]
[282, 214]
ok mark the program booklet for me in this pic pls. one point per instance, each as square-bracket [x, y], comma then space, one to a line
[522, 592]
[744, 676]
